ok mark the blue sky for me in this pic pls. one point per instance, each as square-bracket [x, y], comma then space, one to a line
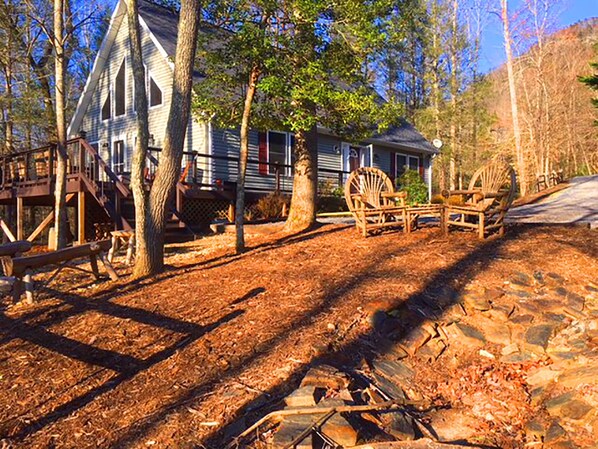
[493, 53]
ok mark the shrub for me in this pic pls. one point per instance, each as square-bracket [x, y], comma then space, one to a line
[270, 206]
[412, 183]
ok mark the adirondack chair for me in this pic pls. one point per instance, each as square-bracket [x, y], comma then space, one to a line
[372, 200]
[486, 202]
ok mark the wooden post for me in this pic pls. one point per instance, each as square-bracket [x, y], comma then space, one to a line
[81, 157]
[130, 249]
[114, 248]
[277, 171]
[231, 213]
[179, 200]
[20, 217]
[81, 218]
[118, 223]
[17, 289]
[28, 281]
[93, 261]
[481, 224]
[108, 266]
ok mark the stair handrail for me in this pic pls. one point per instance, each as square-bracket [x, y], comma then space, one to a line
[122, 188]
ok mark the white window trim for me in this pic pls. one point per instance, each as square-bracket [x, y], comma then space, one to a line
[148, 90]
[288, 157]
[124, 62]
[104, 102]
[407, 156]
[114, 139]
[363, 149]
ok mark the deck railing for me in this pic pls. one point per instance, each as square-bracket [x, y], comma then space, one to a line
[220, 173]
[38, 166]
[211, 172]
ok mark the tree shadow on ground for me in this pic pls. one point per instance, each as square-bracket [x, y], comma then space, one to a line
[125, 366]
[456, 275]
[134, 284]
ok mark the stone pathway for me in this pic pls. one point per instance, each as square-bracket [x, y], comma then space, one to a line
[576, 204]
[535, 328]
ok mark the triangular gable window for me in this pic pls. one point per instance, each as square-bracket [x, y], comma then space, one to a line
[106, 108]
[155, 93]
[119, 91]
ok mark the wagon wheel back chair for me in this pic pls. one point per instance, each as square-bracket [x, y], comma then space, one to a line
[372, 200]
[486, 202]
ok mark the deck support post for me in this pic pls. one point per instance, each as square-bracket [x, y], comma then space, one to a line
[179, 200]
[20, 217]
[231, 213]
[81, 218]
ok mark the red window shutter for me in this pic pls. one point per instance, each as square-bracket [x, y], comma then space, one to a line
[421, 168]
[263, 153]
[393, 166]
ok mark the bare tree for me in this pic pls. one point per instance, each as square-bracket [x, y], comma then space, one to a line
[519, 154]
[60, 103]
[138, 161]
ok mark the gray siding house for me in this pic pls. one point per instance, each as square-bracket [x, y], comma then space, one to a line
[106, 116]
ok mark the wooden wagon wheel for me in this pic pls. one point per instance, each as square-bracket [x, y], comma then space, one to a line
[364, 189]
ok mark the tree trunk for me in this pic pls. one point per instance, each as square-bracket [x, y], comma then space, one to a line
[61, 151]
[151, 259]
[243, 155]
[454, 83]
[140, 196]
[521, 168]
[302, 214]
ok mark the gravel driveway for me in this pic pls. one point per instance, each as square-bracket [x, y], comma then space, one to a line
[576, 204]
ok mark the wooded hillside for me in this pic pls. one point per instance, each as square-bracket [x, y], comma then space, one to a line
[556, 113]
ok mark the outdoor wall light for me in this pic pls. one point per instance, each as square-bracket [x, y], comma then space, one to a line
[336, 149]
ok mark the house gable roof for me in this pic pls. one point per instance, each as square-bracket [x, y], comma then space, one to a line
[161, 23]
[165, 27]
[97, 68]
[405, 135]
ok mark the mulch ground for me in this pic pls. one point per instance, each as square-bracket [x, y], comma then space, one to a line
[175, 361]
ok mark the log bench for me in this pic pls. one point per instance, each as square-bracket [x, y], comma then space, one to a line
[7, 252]
[21, 268]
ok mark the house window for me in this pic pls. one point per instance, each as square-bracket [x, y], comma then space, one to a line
[404, 162]
[119, 91]
[155, 93]
[281, 151]
[106, 108]
[118, 156]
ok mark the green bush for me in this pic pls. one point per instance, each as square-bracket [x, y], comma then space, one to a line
[412, 183]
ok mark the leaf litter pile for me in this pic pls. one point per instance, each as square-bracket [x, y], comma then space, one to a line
[192, 357]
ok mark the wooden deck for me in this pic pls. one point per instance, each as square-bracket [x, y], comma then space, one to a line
[206, 189]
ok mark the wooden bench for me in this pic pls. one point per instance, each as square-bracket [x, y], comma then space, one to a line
[121, 239]
[7, 252]
[21, 268]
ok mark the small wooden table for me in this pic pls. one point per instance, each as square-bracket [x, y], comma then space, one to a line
[120, 239]
[414, 213]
